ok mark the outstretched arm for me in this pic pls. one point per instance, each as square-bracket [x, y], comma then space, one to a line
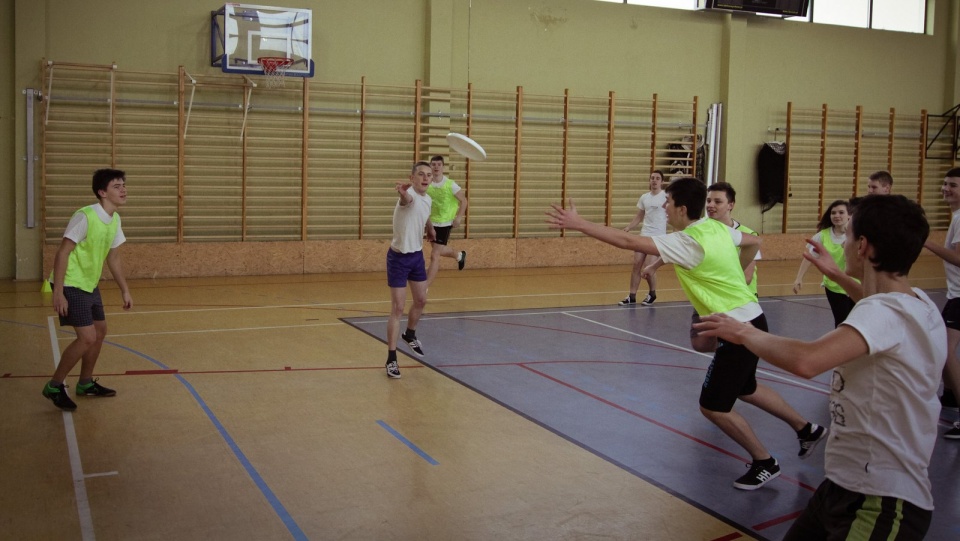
[944, 253]
[561, 218]
[805, 359]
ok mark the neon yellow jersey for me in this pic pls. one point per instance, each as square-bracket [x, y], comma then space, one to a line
[445, 202]
[836, 252]
[717, 284]
[85, 264]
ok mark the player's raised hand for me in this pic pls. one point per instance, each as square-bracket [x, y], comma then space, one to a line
[561, 218]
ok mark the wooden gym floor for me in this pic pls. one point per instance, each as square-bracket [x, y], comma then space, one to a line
[248, 408]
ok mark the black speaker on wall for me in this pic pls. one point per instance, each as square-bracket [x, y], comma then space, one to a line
[771, 169]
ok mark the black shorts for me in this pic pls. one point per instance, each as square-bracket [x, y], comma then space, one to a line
[951, 314]
[732, 373]
[834, 512]
[82, 308]
[841, 305]
[443, 234]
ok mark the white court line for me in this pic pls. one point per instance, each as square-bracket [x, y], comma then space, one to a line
[103, 474]
[800, 383]
[231, 329]
[76, 468]
[386, 300]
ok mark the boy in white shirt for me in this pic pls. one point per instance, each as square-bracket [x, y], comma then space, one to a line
[405, 263]
[886, 359]
[650, 214]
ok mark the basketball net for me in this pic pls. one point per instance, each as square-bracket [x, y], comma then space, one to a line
[275, 69]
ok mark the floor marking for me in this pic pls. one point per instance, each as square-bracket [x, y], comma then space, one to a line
[73, 449]
[408, 443]
[255, 476]
[232, 329]
[102, 474]
[385, 301]
[774, 375]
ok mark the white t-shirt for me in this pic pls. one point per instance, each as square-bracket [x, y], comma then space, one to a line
[77, 226]
[884, 405]
[952, 271]
[409, 221]
[679, 248]
[654, 215]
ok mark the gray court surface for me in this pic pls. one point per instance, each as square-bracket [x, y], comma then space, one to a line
[622, 383]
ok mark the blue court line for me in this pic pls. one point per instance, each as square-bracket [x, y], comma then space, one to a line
[278, 507]
[408, 443]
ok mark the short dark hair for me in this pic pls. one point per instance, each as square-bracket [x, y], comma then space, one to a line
[103, 177]
[726, 188]
[437, 158]
[895, 226]
[688, 192]
[953, 173]
[825, 221]
[659, 172]
[418, 164]
[883, 177]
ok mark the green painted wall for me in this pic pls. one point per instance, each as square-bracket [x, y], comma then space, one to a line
[753, 65]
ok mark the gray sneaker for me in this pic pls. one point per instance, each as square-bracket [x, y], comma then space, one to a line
[393, 371]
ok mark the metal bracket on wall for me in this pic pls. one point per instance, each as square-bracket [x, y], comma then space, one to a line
[32, 95]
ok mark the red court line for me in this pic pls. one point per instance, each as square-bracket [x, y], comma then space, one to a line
[778, 520]
[149, 372]
[657, 423]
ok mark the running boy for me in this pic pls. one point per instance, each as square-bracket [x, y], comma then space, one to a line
[91, 238]
[704, 256]
[411, 218]
[886, 358]
[446, 212]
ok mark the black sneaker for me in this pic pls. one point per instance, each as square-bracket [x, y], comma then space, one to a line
[414, 345]
[808, 444]
[94, 389]
[758, 476]
[462, 260]
[648, 300]
[953, 433]
[393, 371]
[58, 395]
[628, 301]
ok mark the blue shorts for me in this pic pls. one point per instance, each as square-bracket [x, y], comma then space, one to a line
[403, 267]
[82, 308]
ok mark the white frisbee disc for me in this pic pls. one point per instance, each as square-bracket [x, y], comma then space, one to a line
[466, 147]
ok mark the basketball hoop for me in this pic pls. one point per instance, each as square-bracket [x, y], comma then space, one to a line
[274, 69]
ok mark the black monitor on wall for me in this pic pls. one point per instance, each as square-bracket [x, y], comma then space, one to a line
[783, 8]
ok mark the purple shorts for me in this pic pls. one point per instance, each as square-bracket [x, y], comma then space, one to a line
[403, 267]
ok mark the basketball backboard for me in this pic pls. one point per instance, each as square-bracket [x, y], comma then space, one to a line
[242, 33]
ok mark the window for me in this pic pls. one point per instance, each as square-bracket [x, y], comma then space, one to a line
[898, 15]
[676, 4]
[902, 15]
